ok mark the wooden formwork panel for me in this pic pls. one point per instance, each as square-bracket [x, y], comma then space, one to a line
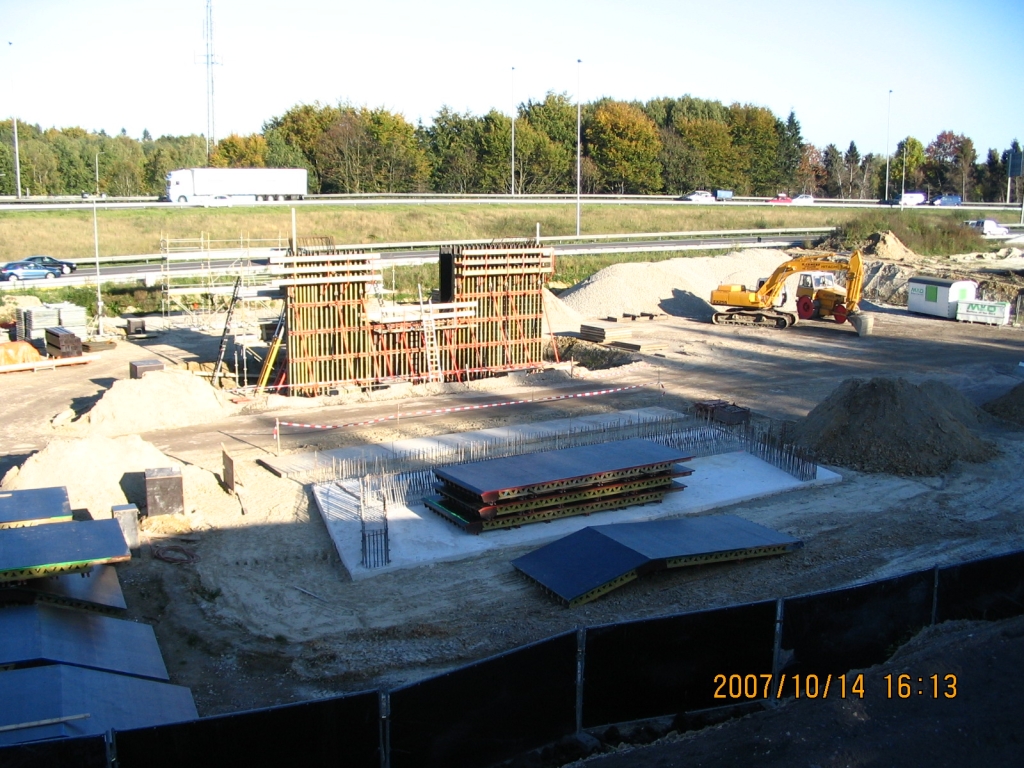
[337, 335]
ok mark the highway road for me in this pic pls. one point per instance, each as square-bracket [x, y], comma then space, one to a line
[152, 268]
[66, 203]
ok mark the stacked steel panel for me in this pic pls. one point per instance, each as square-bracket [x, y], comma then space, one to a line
[60, 342]
[489, 319]
[59, 656]
[538, 487]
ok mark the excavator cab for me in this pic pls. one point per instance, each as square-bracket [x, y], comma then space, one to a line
[817, 294]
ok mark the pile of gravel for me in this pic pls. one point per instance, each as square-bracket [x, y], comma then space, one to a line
[680, 287]
[1009, 406]
[892, 426]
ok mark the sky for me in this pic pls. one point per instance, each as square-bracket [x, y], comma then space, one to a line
[140, 64]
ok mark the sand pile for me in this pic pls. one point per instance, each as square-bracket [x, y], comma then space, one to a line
[680, 287]
[885, 245]
[99, 472]
[892, 426]
[159, 400]
[558, 316]
[1009, 406]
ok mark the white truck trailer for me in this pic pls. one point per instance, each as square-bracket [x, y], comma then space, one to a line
[212, 186]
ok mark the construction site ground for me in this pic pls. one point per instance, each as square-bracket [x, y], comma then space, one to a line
[265, 614]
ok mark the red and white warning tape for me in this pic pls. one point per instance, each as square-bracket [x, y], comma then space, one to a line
[455, 409]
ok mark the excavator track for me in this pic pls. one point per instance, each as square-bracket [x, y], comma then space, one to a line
[765, 318]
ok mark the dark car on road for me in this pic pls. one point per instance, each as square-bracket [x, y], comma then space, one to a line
[27, 270]
[947, 200]
[65, 267]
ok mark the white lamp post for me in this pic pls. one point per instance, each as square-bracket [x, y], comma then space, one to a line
[513, 130]
[579, 145]
[17, 159]
[98, 173]
[888, 114]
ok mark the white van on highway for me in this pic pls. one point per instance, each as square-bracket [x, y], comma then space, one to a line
[913, 198]
[988, 227]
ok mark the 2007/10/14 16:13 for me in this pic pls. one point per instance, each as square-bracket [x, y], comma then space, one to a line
[811, 686]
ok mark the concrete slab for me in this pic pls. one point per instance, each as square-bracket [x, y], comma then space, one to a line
[419, 537]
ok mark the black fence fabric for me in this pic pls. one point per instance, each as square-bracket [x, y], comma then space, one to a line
[84, 752]
[988, 589]
[501, 707]
[489, 711]
[669, 665]
[328, 732]
[833, 632]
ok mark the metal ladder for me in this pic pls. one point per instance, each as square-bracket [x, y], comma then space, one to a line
[224, 336]
[430, 339]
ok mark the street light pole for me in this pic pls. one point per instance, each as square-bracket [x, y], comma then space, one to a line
[17, 159]
[888, 115]
[579, 145]
[99, 295]
[98, 173]
[903, 189]
[513, 130]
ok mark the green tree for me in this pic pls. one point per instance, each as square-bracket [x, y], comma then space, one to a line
[555, 117]
[399, 163]
[709, 159]
[543, 166]
[907, 164]
[450, 144]
[281, 154]
[791, 145]
[832, 162]
[991, 178]
[236, 151]
[625, 145]
[756, 137]
[851, 165]
[303, 126]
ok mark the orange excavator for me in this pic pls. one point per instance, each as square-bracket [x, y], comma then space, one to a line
[817, 294]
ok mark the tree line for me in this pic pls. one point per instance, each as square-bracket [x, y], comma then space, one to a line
[667, 146]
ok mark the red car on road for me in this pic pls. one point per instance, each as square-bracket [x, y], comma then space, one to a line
[781, 198]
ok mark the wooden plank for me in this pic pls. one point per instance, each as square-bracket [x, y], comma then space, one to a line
[48, 363]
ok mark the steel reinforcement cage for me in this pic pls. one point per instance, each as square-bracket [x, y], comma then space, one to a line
[339, 332]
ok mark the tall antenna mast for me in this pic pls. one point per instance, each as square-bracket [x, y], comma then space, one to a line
[208, 37]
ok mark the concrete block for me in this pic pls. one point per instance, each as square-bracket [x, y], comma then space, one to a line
[140, 368]
[127, 516]
[165, 494]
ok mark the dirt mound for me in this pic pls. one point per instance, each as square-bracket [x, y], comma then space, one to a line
[680, 287]
[891, 426]
[1009, 406]
[99, 472]
[886, 283]
[885, 245]
[954, 401]
[159, 400]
